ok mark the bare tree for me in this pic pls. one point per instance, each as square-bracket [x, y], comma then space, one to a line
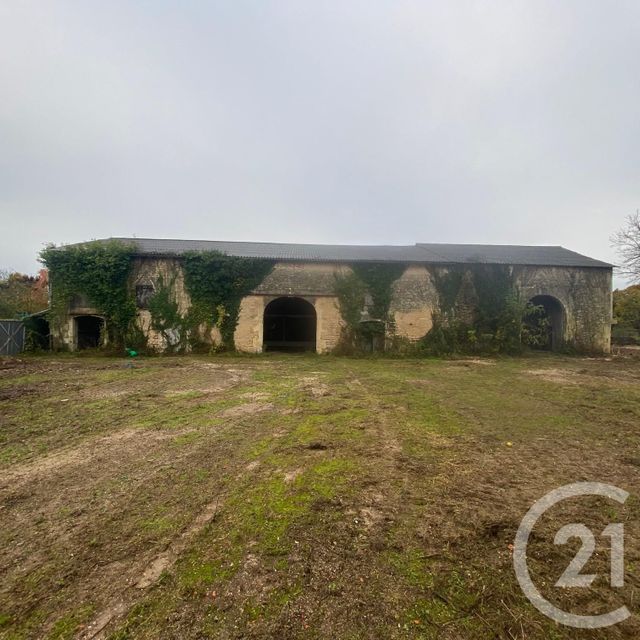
[627, 242]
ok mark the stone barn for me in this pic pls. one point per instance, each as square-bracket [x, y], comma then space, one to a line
[297, 303]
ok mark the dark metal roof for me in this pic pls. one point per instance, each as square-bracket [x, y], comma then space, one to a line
[512, 254]
[428, 253]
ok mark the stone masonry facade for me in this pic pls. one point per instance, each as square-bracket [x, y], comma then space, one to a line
[584, 294]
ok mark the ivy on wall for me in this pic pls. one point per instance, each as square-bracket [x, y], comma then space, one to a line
[378, 279]
[497, 322]
[351, 292]
[166, 318]
[216, 284]
[100, 272]
[448, 284]
[536, 329]
[479, 308]
[365, 279]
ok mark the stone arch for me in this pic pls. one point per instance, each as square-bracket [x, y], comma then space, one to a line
[89, 331]
[289, 324]
[554, 315]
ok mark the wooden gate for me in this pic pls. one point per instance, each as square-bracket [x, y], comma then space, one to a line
[11, 337]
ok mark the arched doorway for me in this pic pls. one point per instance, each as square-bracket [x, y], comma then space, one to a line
[89, 332]
[289, 325]
[545, 324]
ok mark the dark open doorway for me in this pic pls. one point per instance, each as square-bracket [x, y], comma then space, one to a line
[89, 332]
[38, 332]
[289, 325]
[546, 325]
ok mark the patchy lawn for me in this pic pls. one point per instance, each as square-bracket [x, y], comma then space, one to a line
[306, 497]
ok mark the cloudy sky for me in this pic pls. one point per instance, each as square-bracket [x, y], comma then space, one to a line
[365, 122]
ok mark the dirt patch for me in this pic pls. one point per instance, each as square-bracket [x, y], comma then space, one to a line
[80, 455]
[255, 396]
[151, 573]
[316, 446]
[559, 376]
[400, 529]
[313, 385]
[247, 409]
[290, 476]
[167, 558]
[13, 393]
[475, 361]
[10, 363]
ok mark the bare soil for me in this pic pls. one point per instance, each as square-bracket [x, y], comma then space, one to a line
[306, 497]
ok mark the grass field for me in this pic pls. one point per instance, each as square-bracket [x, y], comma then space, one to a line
[306, 497]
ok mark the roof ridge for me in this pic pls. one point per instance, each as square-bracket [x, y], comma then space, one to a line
[281, 244]
[328, 244]
[489, 244]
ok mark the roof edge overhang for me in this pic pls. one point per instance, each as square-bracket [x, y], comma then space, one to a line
[431, 253]
[439, 263]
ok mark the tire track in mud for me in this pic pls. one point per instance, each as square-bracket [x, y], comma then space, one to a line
[83, 454]
[71, 472]
[164, 561]
[147, 576]
[101, 445]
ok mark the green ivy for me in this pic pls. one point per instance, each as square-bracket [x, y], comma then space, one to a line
[166, 317]
[351, 289]
[378, 279]
[448, 284]
[216, 284]
[99, 271]
[498, 319]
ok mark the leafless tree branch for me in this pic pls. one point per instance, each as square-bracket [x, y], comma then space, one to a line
[627, 243]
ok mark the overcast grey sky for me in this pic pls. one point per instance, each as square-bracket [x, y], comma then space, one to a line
[341, 122]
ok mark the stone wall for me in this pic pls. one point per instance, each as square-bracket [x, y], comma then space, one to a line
[330, 323]
[154, 272]
[584, 293]
[301, 279]
[414, 300]
[64, 332]
[248, 335]
[315, 282]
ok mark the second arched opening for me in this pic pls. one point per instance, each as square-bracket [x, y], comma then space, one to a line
[289, 325]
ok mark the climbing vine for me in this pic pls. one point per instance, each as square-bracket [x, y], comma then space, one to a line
[448, 284]
[100, 272]
[378, 279]
[494, 324]
[216, 284]
[351, 293]
[536, 329]
[479, 308]
[366, 280]
[166, 318]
